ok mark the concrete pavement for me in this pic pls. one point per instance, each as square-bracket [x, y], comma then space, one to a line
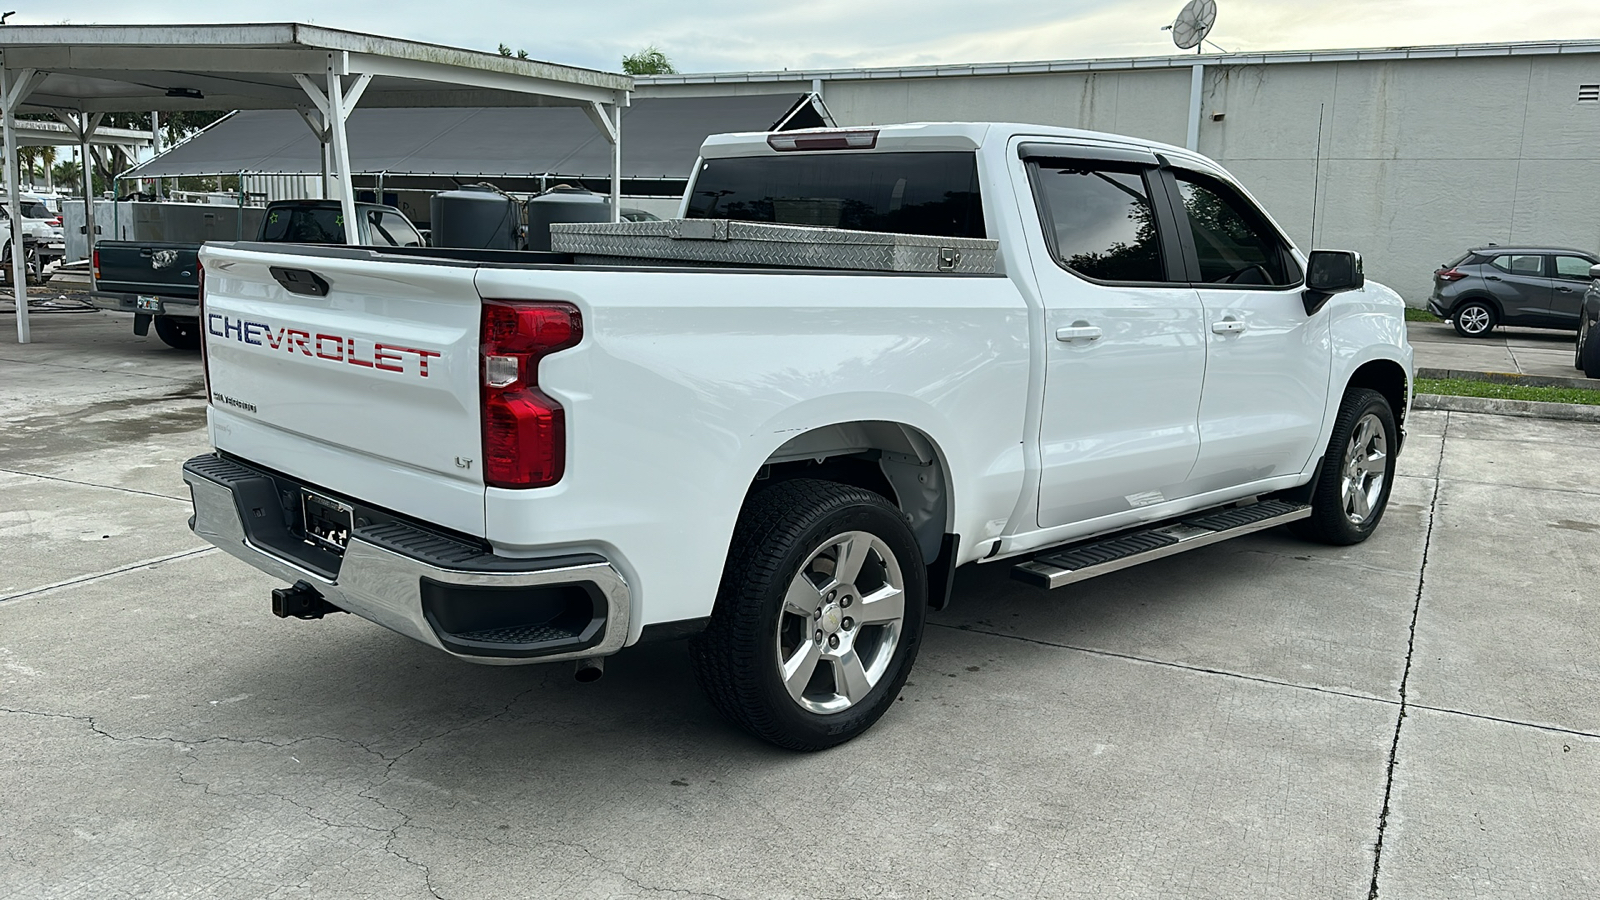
[1415, 717]
[1521, 351]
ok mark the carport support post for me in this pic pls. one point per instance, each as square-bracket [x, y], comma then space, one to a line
[341, 145]
[616, 162]
[14, 88]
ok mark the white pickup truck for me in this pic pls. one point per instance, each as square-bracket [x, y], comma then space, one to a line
[522, 458]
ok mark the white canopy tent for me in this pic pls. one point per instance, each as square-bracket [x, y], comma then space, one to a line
[82, 72]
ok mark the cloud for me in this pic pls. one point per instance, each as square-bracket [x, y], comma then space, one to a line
[732, 35]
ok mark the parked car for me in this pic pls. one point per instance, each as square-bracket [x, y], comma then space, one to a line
[1537, 287]
[1586, 354]
[44, 242]
[1072, 352]
[159, 281]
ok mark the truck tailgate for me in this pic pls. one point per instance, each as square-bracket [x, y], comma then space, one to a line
[363, 380]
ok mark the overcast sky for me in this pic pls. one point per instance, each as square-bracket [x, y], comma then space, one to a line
[736, 35]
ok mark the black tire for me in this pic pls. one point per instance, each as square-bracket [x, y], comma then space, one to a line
[1334, 518]
[1479, 316]
[1589, 351]
[736, 659]
[180, 334]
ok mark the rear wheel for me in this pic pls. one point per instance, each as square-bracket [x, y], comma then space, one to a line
[1577, 345]
[1474, 318]
[819, 616]
[182, 334]
[1352, 489]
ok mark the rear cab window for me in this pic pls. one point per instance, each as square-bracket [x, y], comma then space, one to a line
[926, 193]
[304, 225]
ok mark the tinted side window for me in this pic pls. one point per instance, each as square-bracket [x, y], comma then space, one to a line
[36, 210]
[1231, 238]
[1519, 264]
[907, 193]
[1098, 219]
[1573, 268]
[304, 225]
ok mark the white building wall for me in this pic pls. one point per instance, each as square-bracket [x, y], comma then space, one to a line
[1419, 158]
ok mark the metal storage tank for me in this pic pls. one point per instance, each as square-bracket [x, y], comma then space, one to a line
[477, 217]
[563, 204]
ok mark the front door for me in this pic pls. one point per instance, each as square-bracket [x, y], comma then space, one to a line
[1267, 362]
[1126, 352]
[1571, 280]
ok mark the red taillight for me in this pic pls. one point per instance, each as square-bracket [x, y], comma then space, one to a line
[1449, 275]
[524, 431]
[53, 223]
[94, 264]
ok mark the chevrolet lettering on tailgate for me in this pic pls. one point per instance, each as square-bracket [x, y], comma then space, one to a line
[330, 347]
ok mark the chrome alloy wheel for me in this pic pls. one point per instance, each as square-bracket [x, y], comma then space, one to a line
[1583, 335]
[840, 622]
[1474, 319]
[1365, 462]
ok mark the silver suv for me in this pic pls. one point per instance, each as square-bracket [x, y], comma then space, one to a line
[1540, 287]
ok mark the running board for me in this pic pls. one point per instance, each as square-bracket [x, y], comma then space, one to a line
[1078, 562]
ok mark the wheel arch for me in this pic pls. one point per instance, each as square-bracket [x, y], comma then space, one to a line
[1387, 377]
[1488, 299]
[894, 459]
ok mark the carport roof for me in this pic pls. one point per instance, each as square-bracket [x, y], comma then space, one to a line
[122, 68]
[664, 137]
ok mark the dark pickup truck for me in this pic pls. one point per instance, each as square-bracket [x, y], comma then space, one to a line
[159, 281]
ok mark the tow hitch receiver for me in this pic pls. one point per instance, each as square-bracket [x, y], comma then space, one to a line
[301, 602]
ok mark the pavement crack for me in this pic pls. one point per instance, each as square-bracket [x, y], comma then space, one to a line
[1405, 680]
[106, 487]
[1168, 664]
[96, 576]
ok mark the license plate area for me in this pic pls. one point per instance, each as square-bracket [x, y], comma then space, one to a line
[147, 304]
[327, 521]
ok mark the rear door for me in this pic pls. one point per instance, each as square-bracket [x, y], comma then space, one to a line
[1570, 279]
[357, 375]
[1518, 281]
[1267, 362]
[1125, 351]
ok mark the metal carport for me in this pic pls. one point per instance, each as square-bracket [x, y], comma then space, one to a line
[519, 149]
[81, 72]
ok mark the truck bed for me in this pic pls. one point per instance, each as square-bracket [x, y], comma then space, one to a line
[166, 269]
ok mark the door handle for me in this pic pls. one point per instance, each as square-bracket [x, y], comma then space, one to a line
[1229, 326]
[1491, 278]
[1078, 331]
[1564, 290]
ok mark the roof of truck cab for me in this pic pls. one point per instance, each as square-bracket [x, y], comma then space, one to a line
[928, 136]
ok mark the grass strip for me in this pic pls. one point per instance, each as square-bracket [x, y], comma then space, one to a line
[1462, 387]
[1421, 315]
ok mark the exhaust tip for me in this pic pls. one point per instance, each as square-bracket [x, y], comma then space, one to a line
[588, 671]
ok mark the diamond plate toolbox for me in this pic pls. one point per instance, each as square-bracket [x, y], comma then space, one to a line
[728, 242]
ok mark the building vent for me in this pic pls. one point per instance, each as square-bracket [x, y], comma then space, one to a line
[1589, 93]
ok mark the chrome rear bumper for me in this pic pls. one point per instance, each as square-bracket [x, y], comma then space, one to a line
[386, 569]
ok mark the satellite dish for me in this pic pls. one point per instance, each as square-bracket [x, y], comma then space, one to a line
[1194, 23]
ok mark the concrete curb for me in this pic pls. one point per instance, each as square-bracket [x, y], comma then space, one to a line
[1591, 384]
[1528, 409]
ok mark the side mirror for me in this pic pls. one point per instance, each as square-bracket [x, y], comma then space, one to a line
[1330, 272]
[1594, 272]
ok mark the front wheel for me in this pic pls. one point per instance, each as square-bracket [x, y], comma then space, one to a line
[1352, 489]
[819, 616]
